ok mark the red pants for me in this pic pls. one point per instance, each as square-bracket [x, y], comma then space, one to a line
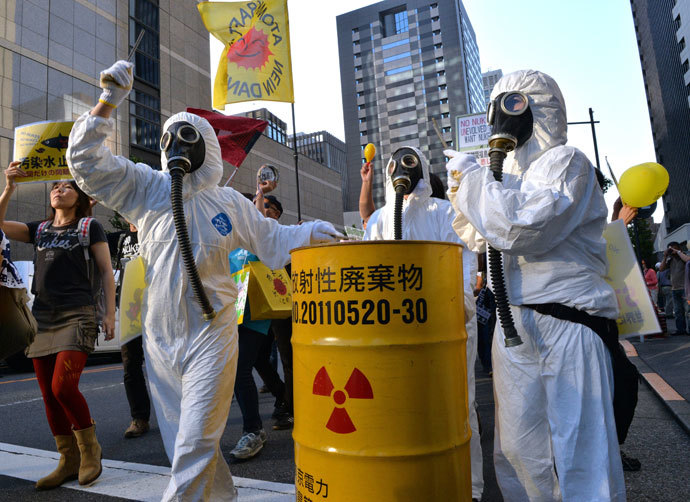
[58, 377]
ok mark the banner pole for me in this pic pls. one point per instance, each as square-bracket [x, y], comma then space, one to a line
[295, 156]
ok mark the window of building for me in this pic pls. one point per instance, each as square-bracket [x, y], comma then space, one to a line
[355, 30]
[401, 23]
[433, 5]
[440, 73]
[439, 59]
[394, 44]
[362, 133]
[394, 22]
[399, 70]
[682, 43]
[686, 66]
[445, 115]
[143, 15]
[445, 129]
[444, 101]
[396, 57]
[676, 22]
[438, 46]
[361, 107]
[144, 120]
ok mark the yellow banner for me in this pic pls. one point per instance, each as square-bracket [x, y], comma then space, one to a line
[41, 148]
[637, 315]
[131, 296]
[255, 64]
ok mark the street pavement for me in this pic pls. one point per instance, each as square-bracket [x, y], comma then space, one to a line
[136, 469]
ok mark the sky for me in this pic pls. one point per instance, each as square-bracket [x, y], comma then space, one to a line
[587, 46]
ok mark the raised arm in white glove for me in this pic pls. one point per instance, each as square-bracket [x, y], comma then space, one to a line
[323, 231]
[458, 164]
[116, 83]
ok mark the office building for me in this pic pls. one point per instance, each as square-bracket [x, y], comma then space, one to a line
[663, 29]
[489, 80]
[407, 69]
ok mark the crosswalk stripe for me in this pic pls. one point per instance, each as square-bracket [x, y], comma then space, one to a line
[127, 479]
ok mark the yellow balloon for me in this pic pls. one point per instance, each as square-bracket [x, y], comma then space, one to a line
[369, 151]
[642, 185]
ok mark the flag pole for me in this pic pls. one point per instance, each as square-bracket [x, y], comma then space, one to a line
[295, 156]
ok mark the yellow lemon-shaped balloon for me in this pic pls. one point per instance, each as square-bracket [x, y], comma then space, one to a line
[643, 184]
[369, 152]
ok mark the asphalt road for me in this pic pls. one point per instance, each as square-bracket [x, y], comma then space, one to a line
[655, 438]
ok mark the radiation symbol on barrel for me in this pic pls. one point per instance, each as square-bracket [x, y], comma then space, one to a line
[357, 387]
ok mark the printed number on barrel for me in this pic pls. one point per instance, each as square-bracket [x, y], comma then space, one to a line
[355, 312]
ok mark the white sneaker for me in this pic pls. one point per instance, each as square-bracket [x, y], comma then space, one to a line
[249, 445]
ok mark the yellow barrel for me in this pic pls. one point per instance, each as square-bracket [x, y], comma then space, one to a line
[380, 380]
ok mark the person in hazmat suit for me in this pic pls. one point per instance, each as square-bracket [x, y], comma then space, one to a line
[555, 436]
[427, 218]
[190, 361]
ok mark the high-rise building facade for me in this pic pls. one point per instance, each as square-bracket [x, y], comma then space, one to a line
[663, 28]
[489, 80]
[407, 69]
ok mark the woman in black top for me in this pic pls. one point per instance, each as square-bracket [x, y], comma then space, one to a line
[64, 306]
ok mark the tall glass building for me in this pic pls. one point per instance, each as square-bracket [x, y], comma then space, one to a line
[407, 71]
[663, 28]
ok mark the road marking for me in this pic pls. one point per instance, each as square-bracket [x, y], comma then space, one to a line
[630, 350]
[664, 390]
[81, 390]
[95, 370]
[127, 479]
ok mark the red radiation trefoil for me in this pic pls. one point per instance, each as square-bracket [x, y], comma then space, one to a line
[357, 387]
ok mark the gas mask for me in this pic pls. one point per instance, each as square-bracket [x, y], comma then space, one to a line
[184, 147]
[405, 169]
[511, 120]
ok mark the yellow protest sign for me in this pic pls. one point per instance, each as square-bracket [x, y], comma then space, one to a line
[41, 148]
[637, 315]
[131, 296]
[255, 64]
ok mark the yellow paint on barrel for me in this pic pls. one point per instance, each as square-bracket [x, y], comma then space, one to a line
[379, 372]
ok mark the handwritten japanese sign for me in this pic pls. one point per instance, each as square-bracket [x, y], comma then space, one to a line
[637, 315]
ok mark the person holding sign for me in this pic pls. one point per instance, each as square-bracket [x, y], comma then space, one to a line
[556, 433]
[64, 307]
[191, 355]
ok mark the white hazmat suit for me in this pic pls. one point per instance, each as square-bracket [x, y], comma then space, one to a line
[190, 362]
[427, 218]
[554, 392]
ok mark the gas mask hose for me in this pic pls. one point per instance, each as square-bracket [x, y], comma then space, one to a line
[177, 173]
[512, 339]
[397, 212]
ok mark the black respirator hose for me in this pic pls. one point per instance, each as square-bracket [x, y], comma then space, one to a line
[176, 175]
[397, 213]
[505, 316]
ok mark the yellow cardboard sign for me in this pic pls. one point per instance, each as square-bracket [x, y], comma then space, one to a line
[255, 64]
[637, 315]
[131, 296]
[41, 148]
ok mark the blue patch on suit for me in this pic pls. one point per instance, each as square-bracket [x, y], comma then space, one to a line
[222, 223]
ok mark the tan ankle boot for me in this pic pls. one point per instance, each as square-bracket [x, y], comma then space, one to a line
[68, 465]
[90, 467]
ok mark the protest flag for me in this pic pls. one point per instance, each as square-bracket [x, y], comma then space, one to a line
[255, 63]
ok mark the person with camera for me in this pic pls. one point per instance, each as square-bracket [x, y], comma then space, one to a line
[674, 260]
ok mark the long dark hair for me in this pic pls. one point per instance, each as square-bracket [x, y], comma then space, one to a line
[83, 208]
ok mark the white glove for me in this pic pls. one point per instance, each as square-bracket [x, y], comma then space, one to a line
[116, 83]
[458, 164]
[323, 231]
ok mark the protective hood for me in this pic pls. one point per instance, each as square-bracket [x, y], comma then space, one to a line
[421, 192]
[211, 171]
[548, 110]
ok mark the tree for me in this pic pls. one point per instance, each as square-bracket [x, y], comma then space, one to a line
[645, 239]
